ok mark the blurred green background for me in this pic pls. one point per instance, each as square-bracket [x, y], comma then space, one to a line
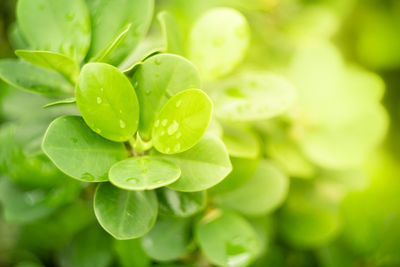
[340, 144]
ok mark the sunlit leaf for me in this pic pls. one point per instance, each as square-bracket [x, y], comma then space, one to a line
[182, 121]
[107, 101]
[156, 80]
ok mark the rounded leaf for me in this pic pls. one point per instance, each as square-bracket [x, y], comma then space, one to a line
[125, 214]
[227, 239]
[167, 240]
[203, 166]
[107, 101]
[241, 141]
[263, 193]
[143, 173]
[78, 151]
[182, 121]
[218, 41]
[253, 96]
[156, 80]
[180, 204]
[60, 26]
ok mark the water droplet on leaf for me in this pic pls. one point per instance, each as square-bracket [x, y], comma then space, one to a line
[173, 127]
[122, 124]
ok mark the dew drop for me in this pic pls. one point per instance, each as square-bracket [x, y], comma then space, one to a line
[178, 103]
[133, 180]
[102, 89]
[162, 133]
[97, 130]
[147, 92]
[178, 135]
[99, 100]
[177, 147]
[168, 150]
[158, 181]
[164, 122]
[120, 111]
[135, 84]
[122, 124]
[173, 127]
[157, 61]
[157, 123]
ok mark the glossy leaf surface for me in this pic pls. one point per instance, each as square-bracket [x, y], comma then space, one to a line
[78, 151]
[143, 173]
[107, 101]
[182, 121]
[156, 80]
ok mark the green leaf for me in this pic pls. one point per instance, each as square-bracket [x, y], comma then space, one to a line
[241, 141]
[262, 194]
[109, 17]
[105, 53]
[70, 100]
[227, 239]
[52, 61]
[130, 253]
[143, 173]
[168, 240]
[125, 214]
[242, 170]
[180, 204]
[28, 77]
[60, 26]
[253, 96]
[182, 121]
[90, 248]
[107, 101]
[202, 166]
[156, 80]
[171, 33]
[218, 41]
[78, 151]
